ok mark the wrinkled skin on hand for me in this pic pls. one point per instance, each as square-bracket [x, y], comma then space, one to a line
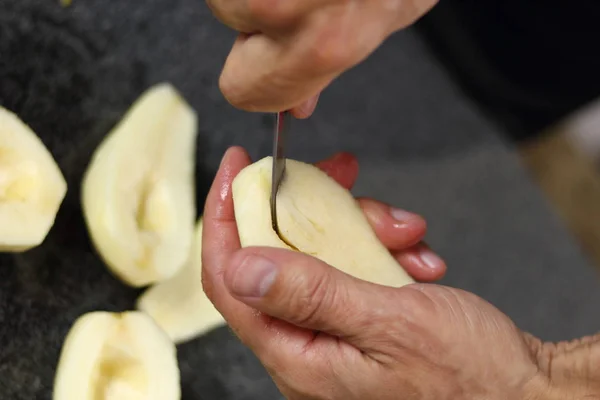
[289, 51]
[323, 334]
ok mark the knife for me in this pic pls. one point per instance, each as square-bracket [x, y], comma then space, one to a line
[281, 127]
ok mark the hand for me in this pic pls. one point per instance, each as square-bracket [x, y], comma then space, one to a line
[323, 334]
[289, 51]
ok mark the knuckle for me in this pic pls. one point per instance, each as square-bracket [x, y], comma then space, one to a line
[407, 12]
[413, 310]
[261, 9]
[272, 11]
[416, 301]
[233, 92]
[332, 49]
[312, 296]
[411, 325]
[218, 9]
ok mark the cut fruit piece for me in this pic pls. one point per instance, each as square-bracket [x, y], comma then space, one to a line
[317, 216]
[123, 356]
[32, 186]
[179, 305]
[138, 192]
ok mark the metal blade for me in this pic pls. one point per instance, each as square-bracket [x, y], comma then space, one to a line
[281, 127]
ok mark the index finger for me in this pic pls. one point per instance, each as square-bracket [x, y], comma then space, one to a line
[342, 167]
[220, 241]
[220, 238]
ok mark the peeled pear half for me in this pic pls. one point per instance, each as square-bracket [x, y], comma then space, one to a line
[317, 216]
[138, 191]
[32, 186]
[122, 356]
[179, 305]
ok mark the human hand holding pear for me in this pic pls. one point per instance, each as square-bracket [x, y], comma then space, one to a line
[323, 333]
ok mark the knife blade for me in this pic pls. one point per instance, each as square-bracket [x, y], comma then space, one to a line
[278, 174]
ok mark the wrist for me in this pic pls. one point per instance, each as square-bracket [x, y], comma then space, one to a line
[575, 391]
[540, 388]
[566, 370]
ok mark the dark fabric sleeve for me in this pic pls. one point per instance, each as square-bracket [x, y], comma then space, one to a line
[527, 63]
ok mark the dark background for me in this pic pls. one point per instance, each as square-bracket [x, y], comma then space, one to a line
[527, 63]
[429, 139]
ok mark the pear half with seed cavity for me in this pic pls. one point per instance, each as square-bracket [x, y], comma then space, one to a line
[123, 356]
[32, 187]
[139, 192]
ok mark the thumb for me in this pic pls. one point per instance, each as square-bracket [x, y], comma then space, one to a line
[309, 293]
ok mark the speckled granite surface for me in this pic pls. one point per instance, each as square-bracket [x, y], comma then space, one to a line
[71, 73]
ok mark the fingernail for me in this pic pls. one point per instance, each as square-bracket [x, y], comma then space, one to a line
[309, 106]
[430, 259]
[401, 215]
[253, 277]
